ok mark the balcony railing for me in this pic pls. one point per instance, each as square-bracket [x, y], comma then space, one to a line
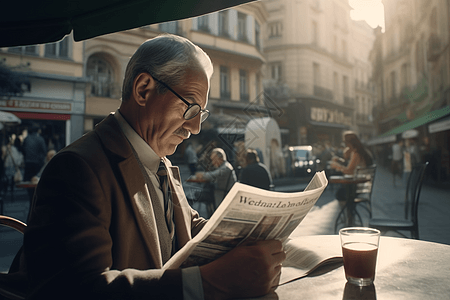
[323, 92]
[245, 97]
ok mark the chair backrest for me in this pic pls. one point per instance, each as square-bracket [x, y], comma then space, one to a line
[365, 172]
[13, 285]
[413, 188]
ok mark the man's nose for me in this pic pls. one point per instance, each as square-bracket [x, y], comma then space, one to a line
[193, 125]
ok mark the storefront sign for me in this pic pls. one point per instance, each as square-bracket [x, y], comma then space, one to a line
[334, 116]
[36, 105]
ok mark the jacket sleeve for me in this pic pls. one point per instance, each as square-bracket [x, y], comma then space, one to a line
[69, 245]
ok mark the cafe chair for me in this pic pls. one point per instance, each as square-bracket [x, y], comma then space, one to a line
[13, 284]
[410, 221]
[364, 190]
[361, 193]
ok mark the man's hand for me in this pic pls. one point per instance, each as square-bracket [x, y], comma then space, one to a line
[249, 270]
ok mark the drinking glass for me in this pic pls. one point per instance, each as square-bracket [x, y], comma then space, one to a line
[359, 250]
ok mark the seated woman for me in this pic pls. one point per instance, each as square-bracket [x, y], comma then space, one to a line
[358, 155]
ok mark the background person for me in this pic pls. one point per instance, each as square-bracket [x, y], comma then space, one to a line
[397, 160]
[190, 154]
[34, 151]
[13, 161]
[98, 227]
[255, 173]
[223, 176]
[358, 157]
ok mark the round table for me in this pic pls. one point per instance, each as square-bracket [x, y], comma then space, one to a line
[406, 269]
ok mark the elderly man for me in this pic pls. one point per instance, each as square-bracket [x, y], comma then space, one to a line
[223, 176]
[102, 223]
[256, 173]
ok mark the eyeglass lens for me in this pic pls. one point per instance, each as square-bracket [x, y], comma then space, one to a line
[193, 110]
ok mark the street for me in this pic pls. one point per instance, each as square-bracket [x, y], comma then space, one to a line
[387, 201]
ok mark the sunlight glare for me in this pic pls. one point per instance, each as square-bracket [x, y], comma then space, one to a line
[372, 11]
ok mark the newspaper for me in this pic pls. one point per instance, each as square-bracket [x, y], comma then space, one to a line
[248, 214]
[306, 254]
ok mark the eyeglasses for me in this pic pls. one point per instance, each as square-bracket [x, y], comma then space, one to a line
[193, 108]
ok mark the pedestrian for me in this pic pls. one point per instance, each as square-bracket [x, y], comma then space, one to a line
[34, 151]
[223, 176]
[397, 160]
[255, 173]
[411, 153]
[191, 158]
[100, 225]
[358, 156]
[13, 163]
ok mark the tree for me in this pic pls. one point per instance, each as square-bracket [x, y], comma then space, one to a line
[12, 83]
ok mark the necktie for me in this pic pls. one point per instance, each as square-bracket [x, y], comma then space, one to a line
[168, 204]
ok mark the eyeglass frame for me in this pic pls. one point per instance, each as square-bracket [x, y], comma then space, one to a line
[202, 112]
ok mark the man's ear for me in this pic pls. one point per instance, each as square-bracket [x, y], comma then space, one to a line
[143, 87]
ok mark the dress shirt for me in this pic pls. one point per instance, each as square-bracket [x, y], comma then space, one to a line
[191, 277]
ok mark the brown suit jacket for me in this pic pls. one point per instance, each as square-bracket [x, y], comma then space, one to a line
[92, 231]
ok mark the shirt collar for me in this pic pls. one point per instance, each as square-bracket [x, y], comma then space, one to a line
[145, 153]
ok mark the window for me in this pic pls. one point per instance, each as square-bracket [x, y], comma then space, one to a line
[59, 49]
[100, 73]
[315, 34]
[393, 84]
[335, 85]
[223, 23]
[275, 29]
[276, 71]
[170, 27]
[345, 85]
[203, 23]
[316, 74]
[243, 85]
[257, 36]
[404, 77]
[224, 83]
[28, 50]
[242, 27]
[420, 64]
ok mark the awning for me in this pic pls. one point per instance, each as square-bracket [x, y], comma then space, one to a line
[440, 125]
[390, 136]
[30, 22]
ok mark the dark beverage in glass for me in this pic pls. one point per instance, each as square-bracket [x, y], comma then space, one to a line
[359, 250]
[360, 260]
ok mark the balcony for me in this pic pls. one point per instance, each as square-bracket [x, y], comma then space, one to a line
[323, 93]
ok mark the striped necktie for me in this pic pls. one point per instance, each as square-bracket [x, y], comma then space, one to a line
[168, 204]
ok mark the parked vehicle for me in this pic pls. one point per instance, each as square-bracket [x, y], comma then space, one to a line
[303, 160]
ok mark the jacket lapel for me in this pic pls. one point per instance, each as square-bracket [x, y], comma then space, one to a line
[135, 184]
[181, 208]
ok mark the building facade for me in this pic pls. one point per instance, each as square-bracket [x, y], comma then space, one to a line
[53, 92]
[312, 66]
[411, 62]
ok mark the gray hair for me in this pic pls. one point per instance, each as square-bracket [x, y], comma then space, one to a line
[220, 153]
[166, 57]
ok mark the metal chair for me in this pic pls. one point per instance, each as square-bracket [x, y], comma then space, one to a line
[361, 194]
[14, 284]
[364, 190]
[410, 222]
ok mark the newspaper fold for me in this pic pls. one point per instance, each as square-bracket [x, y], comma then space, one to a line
[248, 214]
